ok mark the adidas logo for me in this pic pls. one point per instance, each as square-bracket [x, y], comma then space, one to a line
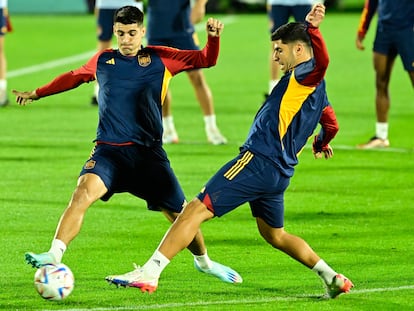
[110, 61]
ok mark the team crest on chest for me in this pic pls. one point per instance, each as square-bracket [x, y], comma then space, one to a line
[90, 165]
[144, 60]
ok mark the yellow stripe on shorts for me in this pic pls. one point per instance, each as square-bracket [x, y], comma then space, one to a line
[240, 164]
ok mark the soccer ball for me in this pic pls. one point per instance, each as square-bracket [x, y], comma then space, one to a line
[54, 282]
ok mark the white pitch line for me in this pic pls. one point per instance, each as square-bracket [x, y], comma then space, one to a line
[49, 65]
[234, 302]
[388, 149]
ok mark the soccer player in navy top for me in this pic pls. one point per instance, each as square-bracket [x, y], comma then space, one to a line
[128, 156]
[260, 174]
[394, 36]
[104, 12]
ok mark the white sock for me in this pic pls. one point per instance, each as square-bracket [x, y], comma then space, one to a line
[96, 90]
[272, 84]
[381, 130]
[203, 261]
[155, 265]
[168, 123]
[324, 271]
[57, 248]
[3, 90]
[210, 121]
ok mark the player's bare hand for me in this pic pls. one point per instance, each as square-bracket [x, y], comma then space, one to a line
[319, 150]
[359, 44]
[24, 98]
[214, 27]
[326, 152]
[316, 15]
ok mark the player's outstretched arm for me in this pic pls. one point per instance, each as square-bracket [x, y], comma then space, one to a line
[214, 27]
[26, 97]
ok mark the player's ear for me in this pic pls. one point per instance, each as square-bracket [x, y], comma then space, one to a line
[299, 49]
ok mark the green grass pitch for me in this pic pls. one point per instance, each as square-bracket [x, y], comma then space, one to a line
[355, 210]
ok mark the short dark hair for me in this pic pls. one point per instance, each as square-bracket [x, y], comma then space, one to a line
[291, 32]
[129, 15]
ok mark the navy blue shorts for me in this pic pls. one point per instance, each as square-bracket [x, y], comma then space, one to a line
[144, 172]
[105, 24]
[189, 42]
[396, 42]
[248, 178]
[3, 21]
[279, 14]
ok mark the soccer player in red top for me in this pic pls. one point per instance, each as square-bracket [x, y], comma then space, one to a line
[394, 36]
[260, 174]
[128, 155]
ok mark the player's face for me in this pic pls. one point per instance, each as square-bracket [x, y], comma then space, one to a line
[284, 55]
[129, 38]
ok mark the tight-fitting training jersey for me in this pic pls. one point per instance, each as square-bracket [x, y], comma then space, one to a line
[292, 111]
[169, 19]
[132, 88]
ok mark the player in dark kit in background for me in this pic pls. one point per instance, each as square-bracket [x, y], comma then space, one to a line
[261, 172]
[128, 156]
[394, 36]
[171, 23]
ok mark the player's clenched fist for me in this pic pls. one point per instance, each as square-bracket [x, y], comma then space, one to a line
[214, 27]
[316, 15]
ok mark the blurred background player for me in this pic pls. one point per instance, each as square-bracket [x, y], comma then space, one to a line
[394, 36]
[5, 26]
[279, 12]
[171, 23]
[104, 11]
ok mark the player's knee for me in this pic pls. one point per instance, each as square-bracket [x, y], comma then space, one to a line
[275, 238]
[83, 197]
[382, 83]
[276, 242]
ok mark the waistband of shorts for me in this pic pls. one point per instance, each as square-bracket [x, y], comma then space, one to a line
[128, 143]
